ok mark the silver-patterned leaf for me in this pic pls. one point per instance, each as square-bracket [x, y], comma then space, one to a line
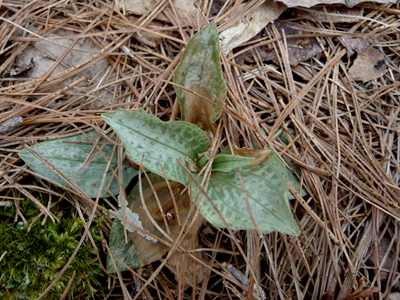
[124, 251]
[200, 70]
[159, 142]
[69, 157]
[266, 187]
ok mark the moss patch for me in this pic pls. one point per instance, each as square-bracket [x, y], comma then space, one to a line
[34, 256]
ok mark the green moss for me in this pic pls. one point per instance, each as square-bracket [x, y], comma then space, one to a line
[35, 257]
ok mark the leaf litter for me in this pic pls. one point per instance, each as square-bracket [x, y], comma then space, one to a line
[345, 120]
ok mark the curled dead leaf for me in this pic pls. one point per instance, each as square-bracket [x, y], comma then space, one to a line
[184, 9]
[197, 110]
[251, 24]
[259, 155]
[299, 49]
[369, 64]
[361, 292]
[357, 44]
[167, 217]
[184, 267]
[19, 68]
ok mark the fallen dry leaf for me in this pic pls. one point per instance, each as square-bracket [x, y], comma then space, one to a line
[239, 276]
[299, 49]
[394, 296]
[334, 14]
[387, 265]
[182, 7]
[19, 68]
[361, 292]
[357, 44]
[10, 125]
[327, 296]
[369, 64]
[250, 25]
[148, 251]
[259, 155]
[44, 54]
[199, 111]
[184, 267]
[309, 3]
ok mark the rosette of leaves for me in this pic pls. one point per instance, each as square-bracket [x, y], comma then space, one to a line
[161, 148]
[35, 254]
[166, 143]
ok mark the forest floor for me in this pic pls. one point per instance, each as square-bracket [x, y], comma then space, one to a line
[318, 85]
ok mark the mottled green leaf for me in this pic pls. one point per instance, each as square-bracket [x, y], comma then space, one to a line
[124, 251]
[69, 157]
[266, 187]
[200, 70]
[160, 142]
[291, 173]
[228, 162]
[202, 162]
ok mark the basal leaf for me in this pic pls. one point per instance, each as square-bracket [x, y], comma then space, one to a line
[202, 162]
[291, 174]
[259, 155]
[200, 71]
[160, 142]
[125, 252]
[226, 162]
[295, 180]
[69, 157]
[266, 187]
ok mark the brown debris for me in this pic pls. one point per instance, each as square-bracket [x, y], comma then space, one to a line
[357, 44]
[170, 219]
[240, 31]
[330, 14]
[361, 292]
[146, 37]
[184, 267]
[199, 111]
[299, 49]
[10, 125]
[185, 9]
[259, 155]
[327, 296]
[345, 146]
[18, 69]
[309, 3]
[369, 64]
